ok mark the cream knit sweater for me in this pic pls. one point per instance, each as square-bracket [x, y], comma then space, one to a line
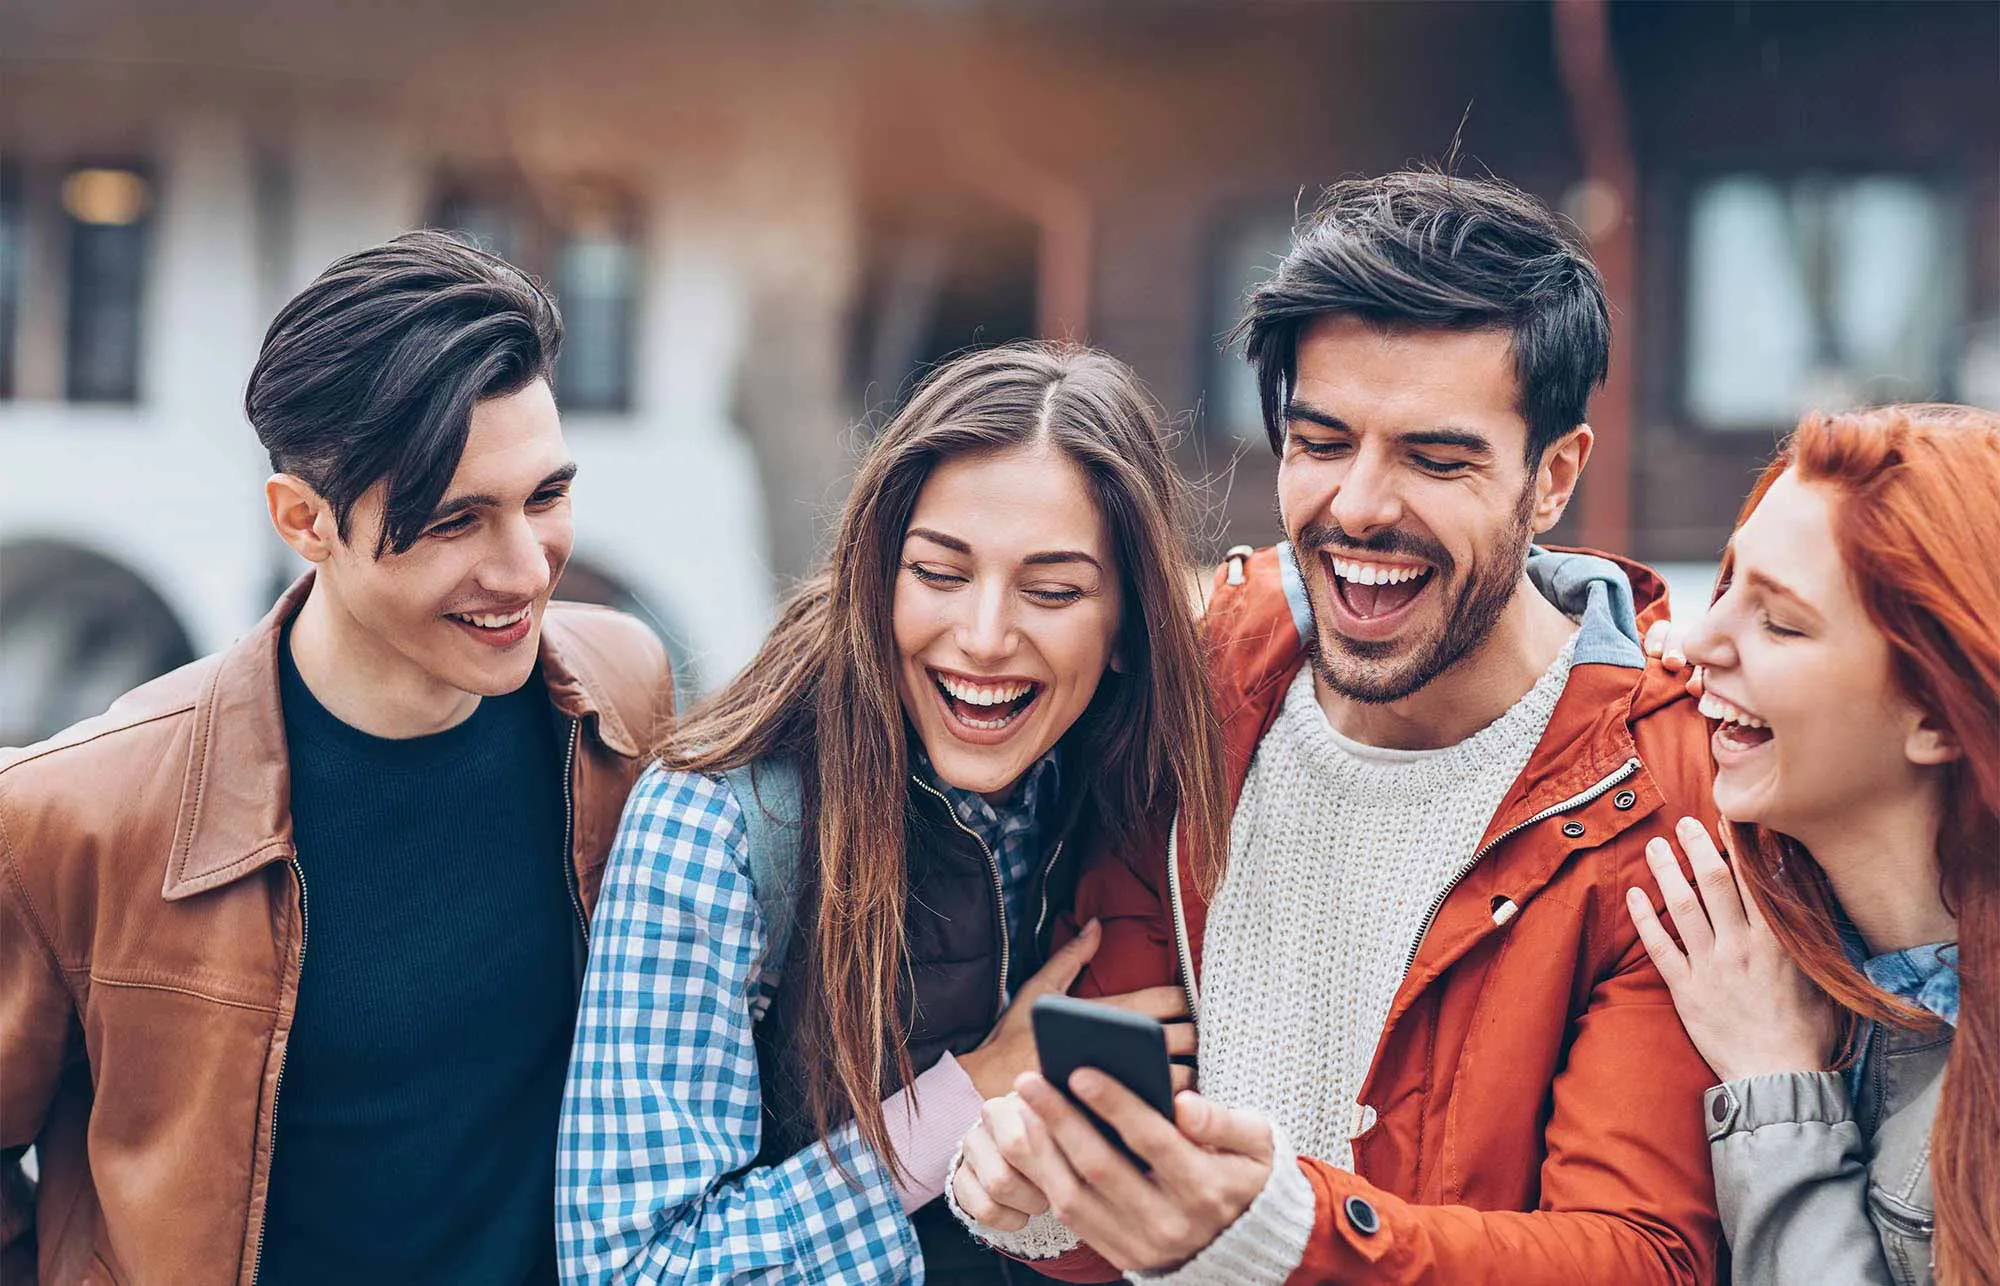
[1336, 852]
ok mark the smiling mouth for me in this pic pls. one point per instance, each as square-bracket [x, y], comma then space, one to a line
[1736, 727]
[984, 706]
[495, 621]
[1372, 590]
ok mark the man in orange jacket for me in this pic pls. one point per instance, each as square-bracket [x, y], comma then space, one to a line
[1432, 1047]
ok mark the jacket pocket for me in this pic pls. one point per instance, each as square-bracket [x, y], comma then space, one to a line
[1905, 1230]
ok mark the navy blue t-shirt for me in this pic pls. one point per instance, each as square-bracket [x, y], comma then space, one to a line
[417, 1114]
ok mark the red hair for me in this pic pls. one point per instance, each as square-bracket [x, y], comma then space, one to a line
[1917, 525]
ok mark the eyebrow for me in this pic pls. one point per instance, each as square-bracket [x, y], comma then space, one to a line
[1047, 558]
[1457, 439]
[486, 500]
[1771, 585]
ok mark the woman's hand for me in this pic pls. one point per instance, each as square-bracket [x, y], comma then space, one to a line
[1746, 1006]
[1009, 1049]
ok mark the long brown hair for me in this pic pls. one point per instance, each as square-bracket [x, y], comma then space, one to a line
[1916, 522]
[823, 689]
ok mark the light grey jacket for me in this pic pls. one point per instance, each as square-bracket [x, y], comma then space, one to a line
[1817, 1189]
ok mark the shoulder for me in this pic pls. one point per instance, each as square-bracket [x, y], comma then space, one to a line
[1673, 740]
[669, 808]
[130, 753]
[621, 660]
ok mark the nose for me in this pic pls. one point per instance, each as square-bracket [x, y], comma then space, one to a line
[986, 632]
[1367, 500]
[517, 567]
[1709, 643]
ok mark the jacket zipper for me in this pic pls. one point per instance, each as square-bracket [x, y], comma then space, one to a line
[1042, 917]
[999, 894]
[1181, 944]
[569, 831]
[277, 1088]
[1625, 770]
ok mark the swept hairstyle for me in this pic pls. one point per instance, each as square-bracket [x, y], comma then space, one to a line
[1918, 505]
[823, 690]
[1422, 250]
[371, 372]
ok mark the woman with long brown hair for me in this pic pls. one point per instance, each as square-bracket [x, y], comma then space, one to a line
[1842, 975]
[833, 895]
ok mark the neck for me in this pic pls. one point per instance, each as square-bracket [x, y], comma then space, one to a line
[1882, 863]
[1483, 685]
[365, 684]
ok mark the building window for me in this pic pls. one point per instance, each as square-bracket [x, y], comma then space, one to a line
[1819, 291]
[580, 240]
[107, 212]
[1247, 251]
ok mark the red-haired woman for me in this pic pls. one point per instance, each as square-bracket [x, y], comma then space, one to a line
[1850, 1003]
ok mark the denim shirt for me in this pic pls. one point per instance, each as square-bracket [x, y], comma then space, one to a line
[1925, 976]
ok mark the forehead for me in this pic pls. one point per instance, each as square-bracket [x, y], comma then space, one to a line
[1789, 537]
[1014, 502]
[513, 442]
[1390, 379]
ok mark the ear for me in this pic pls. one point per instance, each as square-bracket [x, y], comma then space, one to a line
[1929, 743]
[1556, 477]
[302, 518]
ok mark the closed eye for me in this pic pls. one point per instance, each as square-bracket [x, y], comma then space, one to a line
[1441, 468]
[452, 526]
[932, 576]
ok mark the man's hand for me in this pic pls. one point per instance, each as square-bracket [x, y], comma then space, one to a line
[1208, 1165]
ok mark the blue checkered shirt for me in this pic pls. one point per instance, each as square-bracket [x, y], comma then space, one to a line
[662, 1115]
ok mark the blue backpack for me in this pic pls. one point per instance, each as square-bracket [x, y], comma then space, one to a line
[768, 792]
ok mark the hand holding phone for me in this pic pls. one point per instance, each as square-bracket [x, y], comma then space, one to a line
[1129, 1047]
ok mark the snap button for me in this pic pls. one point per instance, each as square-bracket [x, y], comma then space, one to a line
[1625, 799]
[1573, 829]
[1720, 1108]
[1362, 1215]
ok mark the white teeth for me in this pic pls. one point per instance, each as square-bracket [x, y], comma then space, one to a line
[1714, 707]
[490, 622]
[1375, 573]
[982, 694]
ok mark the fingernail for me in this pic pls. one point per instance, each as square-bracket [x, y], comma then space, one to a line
[1086, 1082]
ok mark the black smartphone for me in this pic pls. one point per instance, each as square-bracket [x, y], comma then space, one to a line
[1129, 1048]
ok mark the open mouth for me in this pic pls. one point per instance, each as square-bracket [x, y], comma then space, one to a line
[1736, 728]
[1376, 591]
[497, 628]
[984, 705]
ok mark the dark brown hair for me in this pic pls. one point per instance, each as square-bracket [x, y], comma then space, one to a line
[823, 689]
[1918, 504]
[1421, 250]
[371, 372]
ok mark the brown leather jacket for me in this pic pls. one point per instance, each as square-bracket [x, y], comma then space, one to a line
[151, 934]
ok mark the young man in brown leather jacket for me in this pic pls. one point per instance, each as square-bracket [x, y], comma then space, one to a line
[415, 733]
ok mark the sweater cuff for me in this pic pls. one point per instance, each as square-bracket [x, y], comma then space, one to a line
[1753, 1102]
[1043, 1237]
[925, 1120]
[1266, 1242]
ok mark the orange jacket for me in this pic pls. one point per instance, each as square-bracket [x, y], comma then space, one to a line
[1533, 1111]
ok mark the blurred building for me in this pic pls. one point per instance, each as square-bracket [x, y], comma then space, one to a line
[761, 220]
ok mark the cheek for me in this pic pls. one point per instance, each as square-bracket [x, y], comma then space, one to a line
[1305, 488]
[1079, 650]
[914, 619]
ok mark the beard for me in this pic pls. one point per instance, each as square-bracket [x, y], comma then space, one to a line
[1366, 670]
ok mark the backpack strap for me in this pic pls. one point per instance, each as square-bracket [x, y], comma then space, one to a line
[768, 792]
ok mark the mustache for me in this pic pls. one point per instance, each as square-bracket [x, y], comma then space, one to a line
[1316, 536]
